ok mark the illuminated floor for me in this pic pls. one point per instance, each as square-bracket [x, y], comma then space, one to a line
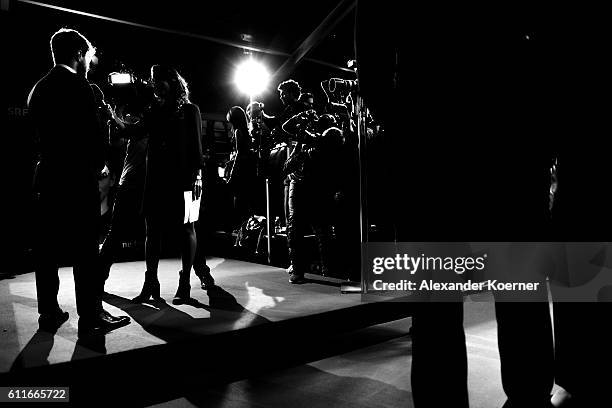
[377, 375]
[250, 294]
[360, 367]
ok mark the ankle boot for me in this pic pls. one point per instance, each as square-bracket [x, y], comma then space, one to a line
[184, 289]
[150, 288]
[206, 280]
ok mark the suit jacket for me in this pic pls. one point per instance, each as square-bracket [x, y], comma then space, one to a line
[70, 144]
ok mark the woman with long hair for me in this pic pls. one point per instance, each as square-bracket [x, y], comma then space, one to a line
[173, 179]
[242, 175]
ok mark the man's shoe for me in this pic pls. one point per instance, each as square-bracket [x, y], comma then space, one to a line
[114, 321]
[50, 322]
[103, 323]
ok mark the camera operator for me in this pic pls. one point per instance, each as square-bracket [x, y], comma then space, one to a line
[204, 227]
[240, 171]
[128, 197]
[312, 169]
[280, 146]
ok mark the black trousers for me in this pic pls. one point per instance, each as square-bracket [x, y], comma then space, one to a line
[312, 207]
[66, 233]
[525, 341]
[583, 350]
[278, 187]
[439, 356]
[126, 209]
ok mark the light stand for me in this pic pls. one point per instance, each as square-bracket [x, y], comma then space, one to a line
[359, 107]
[269, 237]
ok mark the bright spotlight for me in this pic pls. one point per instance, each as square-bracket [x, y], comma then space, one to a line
[251, 77]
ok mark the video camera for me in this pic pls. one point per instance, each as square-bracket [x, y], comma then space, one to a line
[120, 78]
[130, 92]
[338, 85]
[126, 77]
[312, 123]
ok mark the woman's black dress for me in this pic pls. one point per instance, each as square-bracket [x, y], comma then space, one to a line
[174, 157]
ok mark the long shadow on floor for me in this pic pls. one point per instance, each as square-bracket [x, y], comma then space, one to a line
[171, 324]
[36, 352]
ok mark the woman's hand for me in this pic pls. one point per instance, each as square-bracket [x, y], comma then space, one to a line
[197, 189]
[197, 186]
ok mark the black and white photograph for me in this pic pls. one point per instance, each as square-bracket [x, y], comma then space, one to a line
[320, 203]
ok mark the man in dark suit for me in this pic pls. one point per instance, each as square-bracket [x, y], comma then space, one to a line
[70, 150]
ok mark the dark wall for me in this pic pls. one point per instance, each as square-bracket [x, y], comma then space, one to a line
[478, 99]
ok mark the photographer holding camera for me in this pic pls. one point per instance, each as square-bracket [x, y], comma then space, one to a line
[312, 171]
[274, 147]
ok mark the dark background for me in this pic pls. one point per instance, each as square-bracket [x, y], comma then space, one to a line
[488, 94]
[207, 66]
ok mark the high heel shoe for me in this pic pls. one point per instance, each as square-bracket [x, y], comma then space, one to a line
[183, 291]
[150, 289]
[206, 280]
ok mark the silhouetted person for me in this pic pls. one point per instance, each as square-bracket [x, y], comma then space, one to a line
[582, 210]
[173, 178]
[127, 203]
[289, 92]
[313, 172]
[70, 149]
[459, 97]
[203, 227]
[241, 176]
